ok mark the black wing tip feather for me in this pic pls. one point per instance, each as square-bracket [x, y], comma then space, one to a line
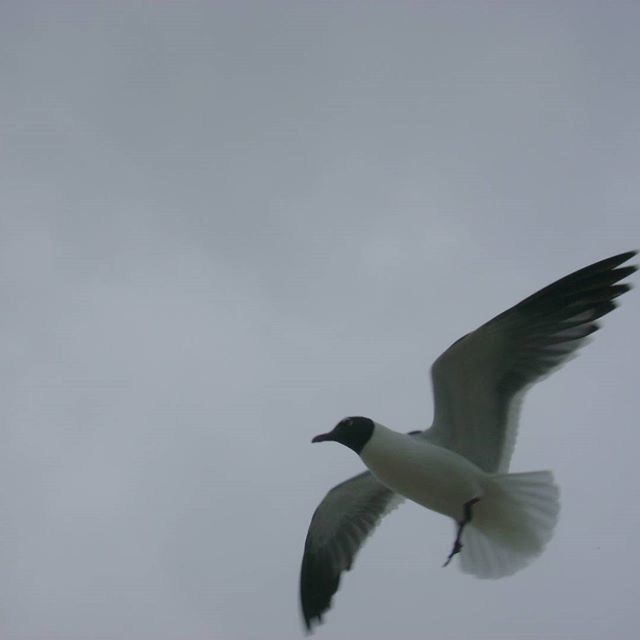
[623, 257]
[317, 587]
[588, 286]
[596, 288]
[611, 265]
[611, 262]
[319, 581]
[604, 272]
[627, 255]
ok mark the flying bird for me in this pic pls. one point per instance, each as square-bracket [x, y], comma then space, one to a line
[459, 466]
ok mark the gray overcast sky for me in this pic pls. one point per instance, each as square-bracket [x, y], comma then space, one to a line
[225, 226]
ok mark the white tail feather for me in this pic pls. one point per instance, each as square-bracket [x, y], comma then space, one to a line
[510, 524]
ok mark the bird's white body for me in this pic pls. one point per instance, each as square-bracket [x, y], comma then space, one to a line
[434, 477]
[509, 517]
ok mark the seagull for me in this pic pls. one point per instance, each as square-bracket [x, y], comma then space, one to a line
[459, 467]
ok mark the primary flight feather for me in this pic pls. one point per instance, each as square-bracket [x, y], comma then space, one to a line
[459, 466]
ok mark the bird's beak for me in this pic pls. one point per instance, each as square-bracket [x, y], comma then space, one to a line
[323, 437]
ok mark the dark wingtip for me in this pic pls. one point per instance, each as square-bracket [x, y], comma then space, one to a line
[621, 257]
[310, 623]
[318, 584]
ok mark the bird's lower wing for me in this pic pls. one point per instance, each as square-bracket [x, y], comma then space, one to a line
[339, 527]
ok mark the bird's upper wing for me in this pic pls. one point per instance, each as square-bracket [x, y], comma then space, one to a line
[479, 380]
[340, 525]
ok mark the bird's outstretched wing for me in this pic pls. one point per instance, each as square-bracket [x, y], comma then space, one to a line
[479, 380]
[340, 525]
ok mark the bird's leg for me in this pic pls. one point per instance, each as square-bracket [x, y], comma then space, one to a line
[466, 519]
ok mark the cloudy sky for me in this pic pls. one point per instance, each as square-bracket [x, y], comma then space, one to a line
[225, 226]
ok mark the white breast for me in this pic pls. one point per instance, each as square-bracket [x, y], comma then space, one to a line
[432, 476]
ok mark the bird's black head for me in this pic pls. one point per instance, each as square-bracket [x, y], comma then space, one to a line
[351, 432]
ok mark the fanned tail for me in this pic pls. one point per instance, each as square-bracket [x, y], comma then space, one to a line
[511, 524]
